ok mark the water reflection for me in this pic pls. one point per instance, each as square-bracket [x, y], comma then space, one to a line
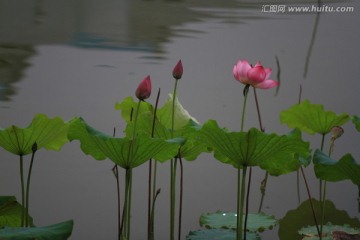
[13, 62]
[144, 26]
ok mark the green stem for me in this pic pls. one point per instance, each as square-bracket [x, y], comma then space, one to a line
[246, 90]
[181, 194]
[153, 214]
[22, 191]
[127, 205]
[125, 228]
[320, 181]
[247, 202]
[151, 191]
[173, 109]
[34, 148]
[173, 164]
[241, 199]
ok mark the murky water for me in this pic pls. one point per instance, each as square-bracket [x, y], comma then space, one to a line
[77, 58]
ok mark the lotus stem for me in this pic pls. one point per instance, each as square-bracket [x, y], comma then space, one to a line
[22, 190]
[240, 232]
[34, 149]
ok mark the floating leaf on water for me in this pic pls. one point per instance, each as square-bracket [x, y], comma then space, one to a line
[60, 231]
[310, 232]
[217, 234]
[227, 220]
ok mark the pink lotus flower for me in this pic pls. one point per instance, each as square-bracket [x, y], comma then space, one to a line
[178, 70]
[256, 76]
[143, 91]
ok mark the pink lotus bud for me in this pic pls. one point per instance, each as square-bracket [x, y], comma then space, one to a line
[256, 76]
[178, 70]
[143, 91]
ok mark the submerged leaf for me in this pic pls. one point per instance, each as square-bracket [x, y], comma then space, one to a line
[125, 152]
[330, 170]
[223, 234]
[11, 212]
[312, 118]
[227, 220]
[275, 154]
[45, 132]
[58, 231]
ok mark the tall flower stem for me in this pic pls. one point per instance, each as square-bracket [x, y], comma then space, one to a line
[241, 182]
[152, 181]
[241, 199]
[264, 182]
[173, 164]
[126, 224]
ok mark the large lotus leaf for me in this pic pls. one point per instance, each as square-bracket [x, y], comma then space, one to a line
[227, 220]
[312, 118]
[128, 108]
[334, 171]
[60, 231]
[302, 216]
[275, 154]
[125, 152]
[190, 149]
[356, 121]
[181, 115]
[11, 212]
[218, 234]
[310, 233]
[45, 132]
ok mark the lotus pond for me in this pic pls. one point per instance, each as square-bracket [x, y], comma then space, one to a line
[179, 120]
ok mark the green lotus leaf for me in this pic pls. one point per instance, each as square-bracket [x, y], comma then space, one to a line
[356, 121]
[125, 152]
[331, 170]
[227, 220]
[128, 108]
[310, 232]
[10, 212]
[275, 154]
[47, 133]
[312, 118]
[302, 216]
[58, 231]
[181, 115]
[214, 234]
[190, 149]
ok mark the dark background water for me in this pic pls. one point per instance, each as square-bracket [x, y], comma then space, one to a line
[77, 58]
